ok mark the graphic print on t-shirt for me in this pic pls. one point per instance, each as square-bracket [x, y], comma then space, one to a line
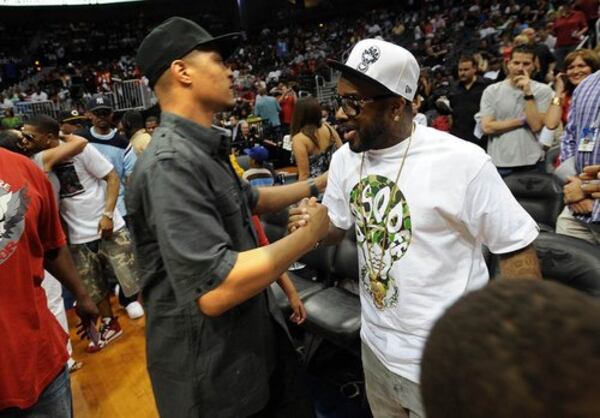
[383, 234]
[13, 206]
[70, 185]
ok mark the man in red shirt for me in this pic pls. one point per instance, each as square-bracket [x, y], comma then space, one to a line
[287, 101]
[569, 28]
[33, 377]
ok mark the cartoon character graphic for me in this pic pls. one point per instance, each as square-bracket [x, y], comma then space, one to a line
[383, 235]
[368, 57]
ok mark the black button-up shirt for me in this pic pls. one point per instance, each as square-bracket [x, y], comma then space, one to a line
[190, 217]
[465, 104]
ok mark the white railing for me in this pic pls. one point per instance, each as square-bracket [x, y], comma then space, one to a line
[126, 95]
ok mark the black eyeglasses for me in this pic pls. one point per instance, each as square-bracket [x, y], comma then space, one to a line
[352, 104]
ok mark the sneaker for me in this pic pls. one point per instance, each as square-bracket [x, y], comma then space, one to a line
[93, 348]
[134, 310]
[109, 330]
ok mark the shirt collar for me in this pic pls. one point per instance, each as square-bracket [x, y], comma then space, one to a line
[213, 141]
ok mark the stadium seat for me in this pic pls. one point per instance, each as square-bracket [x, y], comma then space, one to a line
[540, 194]
[570, 261]
[334, 313]
[551, 156]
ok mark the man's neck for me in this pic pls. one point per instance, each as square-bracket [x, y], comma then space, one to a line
[196, 113]
[469, 84]
[102, 131]
[400, 134]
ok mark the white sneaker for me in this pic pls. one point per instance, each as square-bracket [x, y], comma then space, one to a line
[134, 310]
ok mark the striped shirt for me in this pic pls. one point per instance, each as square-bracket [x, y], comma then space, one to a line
[584, 112]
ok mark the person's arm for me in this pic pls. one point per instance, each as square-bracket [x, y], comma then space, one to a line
[298, 312]
[535, 118]
[521, 264]
[491, 126]
[299, 217]
[276, 198]
[256, 269]
[73, 145]
[555, 111]
[105, 226]
[301, 157]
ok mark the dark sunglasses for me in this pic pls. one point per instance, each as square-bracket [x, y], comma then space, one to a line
[352, 104]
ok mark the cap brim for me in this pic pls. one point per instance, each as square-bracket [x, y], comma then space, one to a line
[360, 80]
[100, 107]
[224, 44]
[73, 119]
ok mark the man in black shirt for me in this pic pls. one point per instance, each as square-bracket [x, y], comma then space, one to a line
[464, 100]
[217, 344]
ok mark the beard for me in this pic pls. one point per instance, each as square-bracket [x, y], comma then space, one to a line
[370, 135]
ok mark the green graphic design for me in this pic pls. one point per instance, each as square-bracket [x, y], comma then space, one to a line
[381, 243]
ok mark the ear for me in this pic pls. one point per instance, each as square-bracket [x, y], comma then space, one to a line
[180, 71]
[398, 106]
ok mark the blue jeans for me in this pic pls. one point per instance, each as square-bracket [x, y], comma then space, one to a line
[54, 402]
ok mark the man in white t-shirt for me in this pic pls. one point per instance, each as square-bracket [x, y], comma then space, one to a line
[422, 203]
[39, 95]
[96, 230]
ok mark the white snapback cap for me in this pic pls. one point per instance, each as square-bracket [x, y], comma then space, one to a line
[386, 67]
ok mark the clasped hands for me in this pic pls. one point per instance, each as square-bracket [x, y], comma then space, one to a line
[312, 215]
[580, 192]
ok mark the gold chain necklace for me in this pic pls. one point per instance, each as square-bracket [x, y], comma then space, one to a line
[377, 287]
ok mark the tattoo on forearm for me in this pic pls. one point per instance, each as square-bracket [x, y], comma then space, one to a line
[522, 264]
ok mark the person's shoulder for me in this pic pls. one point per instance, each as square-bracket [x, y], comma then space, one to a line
[494, 87]
[12, 159]
[456, 148]
[541, 87]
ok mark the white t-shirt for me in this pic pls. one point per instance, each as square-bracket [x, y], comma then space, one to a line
[39, 97]
[83, 195]
[450, 201]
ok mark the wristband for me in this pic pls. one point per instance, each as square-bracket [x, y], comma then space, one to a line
[314, 191]
[107, 215]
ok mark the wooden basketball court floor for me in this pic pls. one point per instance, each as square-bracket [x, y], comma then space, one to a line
[113, 383]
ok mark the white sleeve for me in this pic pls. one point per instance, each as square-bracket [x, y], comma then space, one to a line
[94, 162]
[336, 200]
[493, 216]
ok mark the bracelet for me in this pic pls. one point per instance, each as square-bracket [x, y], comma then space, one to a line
[557, 101]
[314, 190]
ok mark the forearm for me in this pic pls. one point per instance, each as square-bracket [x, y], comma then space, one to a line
[60, 264]
[274, 199]
[254, 270]
[498, 127]
[112, 193]
[535, 119]
[285, 283]
[521, 264]
[553, 117]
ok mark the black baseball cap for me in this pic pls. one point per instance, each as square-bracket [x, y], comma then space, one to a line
[72, 117]
[99, 101]
[174, 39]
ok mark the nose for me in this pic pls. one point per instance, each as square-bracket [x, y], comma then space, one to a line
[340, 115]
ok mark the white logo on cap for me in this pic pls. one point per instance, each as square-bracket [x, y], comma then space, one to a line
[99, 100]
[368, 57]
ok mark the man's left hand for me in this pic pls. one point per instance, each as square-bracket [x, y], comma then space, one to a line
[582, 208]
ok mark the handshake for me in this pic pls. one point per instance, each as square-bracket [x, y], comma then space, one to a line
[310, 215]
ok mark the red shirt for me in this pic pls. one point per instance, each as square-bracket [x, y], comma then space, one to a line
[565, 26]
[287, 108]
[589, 8]
[32, 342]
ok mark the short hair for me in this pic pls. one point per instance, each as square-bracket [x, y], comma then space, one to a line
[133, 121]
[10, 139]
[522, 49]
[152, 119]
[517, 348]
[469, 58]
[44, 124]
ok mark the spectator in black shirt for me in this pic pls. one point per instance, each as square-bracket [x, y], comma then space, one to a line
[464, 100]
[545, 60]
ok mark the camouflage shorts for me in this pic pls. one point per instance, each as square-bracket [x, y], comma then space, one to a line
[91, 259]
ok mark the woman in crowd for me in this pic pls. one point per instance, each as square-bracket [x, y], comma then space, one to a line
[313, 141]
[578, 64]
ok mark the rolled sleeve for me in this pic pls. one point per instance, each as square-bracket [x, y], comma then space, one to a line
[195, 247]
[250, 193]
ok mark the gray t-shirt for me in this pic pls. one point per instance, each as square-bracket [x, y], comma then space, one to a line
[518, 147]
[38, 159]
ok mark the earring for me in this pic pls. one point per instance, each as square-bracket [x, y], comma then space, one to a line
[397, 118]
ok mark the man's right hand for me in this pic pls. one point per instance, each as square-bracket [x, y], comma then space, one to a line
[572, 191]
[318, 219]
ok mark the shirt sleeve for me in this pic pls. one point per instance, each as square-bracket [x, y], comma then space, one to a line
[195, 247]
[568, 142]
[493, 216]
[95, 162]
[250, 193]
[486, 106]
[337, 202]
[129, 161]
